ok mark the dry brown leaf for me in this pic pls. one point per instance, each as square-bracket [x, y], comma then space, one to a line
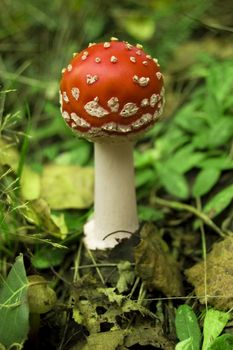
[155, 265]
[219, 276]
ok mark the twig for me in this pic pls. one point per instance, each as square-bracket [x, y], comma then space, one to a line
[95, 265]
[77, 263]
[189, 208]
[203, 242]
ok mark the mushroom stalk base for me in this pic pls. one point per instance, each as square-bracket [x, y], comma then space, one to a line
[115, 198]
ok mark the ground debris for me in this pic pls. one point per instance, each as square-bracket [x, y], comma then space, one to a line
[156, 267]
[112, 320]
[217, 290]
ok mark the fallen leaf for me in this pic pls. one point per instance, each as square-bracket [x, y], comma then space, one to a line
[38, 213]
[95, 305]
[30, 184]
[102, 341]
[148, 336]
[8, 155]
[66, 187]
[219, 276]
[126, 276]
[156, 267]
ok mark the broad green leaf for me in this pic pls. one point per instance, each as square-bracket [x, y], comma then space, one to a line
[214, 323]
[146, 213]
[168, 143]
[200, 140]
[174, 182]
[185, 159]
[215, 77]
[219, 202]
[145, 176]
[78, 155]
[222, 163]
[185, 344]
[223, 342]
[187, 326]
[75, 221]
[204, 181]
[66, 187]
[221, 132]
[46, 257]
[143, 159]
[59, 220]
[188, 118]
[14, 309]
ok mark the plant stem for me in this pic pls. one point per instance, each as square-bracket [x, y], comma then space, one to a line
[189, 208]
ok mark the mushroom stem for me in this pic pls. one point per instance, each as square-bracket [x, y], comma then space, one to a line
[115, 198]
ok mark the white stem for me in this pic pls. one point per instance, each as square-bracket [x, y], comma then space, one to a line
[115, 198]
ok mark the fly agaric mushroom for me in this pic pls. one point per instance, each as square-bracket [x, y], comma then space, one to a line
[110, 93]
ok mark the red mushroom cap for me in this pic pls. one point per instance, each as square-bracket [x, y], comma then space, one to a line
[111, 89]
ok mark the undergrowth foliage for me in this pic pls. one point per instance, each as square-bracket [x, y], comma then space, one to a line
[169, 286]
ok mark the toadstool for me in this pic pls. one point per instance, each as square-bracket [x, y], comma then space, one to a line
[110, 93]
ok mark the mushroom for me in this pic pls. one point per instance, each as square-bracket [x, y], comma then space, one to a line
[111, 93]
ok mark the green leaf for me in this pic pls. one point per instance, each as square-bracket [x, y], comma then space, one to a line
[144, 176]
[219, 202]
[146, 213]
[204, 181]
[143, 159]
[222, 163]
[187, 326]
[75, 221]
[75, 156]
[187, 113]
[14, 309]
[46, 257]
[220, 132]
[170, 142]
[214, 323]
[38, 213]
[224, 342]
[185, 344]
[174, 182]
[185, 159]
